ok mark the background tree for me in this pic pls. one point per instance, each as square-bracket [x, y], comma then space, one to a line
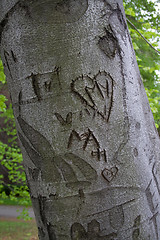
[145, 16]
[112, 106]
[138, 12]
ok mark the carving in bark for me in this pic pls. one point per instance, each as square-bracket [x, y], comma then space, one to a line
[109, 174]
[43, 157]
[108, 44]
[63, 121]
[96, 92]
[93, 232]
[91, 151]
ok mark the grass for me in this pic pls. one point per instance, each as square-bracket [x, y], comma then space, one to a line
[14, 229]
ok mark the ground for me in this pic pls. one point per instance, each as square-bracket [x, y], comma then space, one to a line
[14, 229]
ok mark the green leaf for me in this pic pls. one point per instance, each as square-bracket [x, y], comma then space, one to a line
[3, 99]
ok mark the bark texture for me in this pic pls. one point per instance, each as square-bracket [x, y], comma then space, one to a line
[89, 142]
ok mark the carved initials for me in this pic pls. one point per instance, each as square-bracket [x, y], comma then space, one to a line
[63, 121]
[73, 135]
[90, 137]
[53, 167]
[44, 84]
[87, 137]
[100, 153]
[96, 93]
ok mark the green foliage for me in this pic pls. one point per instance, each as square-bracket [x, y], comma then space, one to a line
[9, 128]
[11, 157]
[2, 75]
[145, 16]
[11, 160]
[3, 99]
[154, 101]
[24, 214]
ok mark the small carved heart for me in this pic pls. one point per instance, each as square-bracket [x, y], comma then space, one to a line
[109, 174]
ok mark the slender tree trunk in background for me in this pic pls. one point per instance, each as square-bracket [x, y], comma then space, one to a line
[90, 146]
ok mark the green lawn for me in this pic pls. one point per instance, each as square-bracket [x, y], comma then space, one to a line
[13, 229]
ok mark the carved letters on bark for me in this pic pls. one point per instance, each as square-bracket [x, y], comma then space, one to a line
[51, 165]
[95, 93]
[98, 153]
[93, 232]
[88, 138]
[44, 84]
[63, 121]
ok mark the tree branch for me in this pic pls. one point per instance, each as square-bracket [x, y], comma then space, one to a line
[142, 36]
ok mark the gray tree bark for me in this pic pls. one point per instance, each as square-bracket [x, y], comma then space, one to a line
[90, 146]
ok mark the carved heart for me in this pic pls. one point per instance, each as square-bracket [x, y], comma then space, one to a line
[109, 174]
[96, 92]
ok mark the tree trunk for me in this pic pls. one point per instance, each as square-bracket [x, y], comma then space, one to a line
[90, 146]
